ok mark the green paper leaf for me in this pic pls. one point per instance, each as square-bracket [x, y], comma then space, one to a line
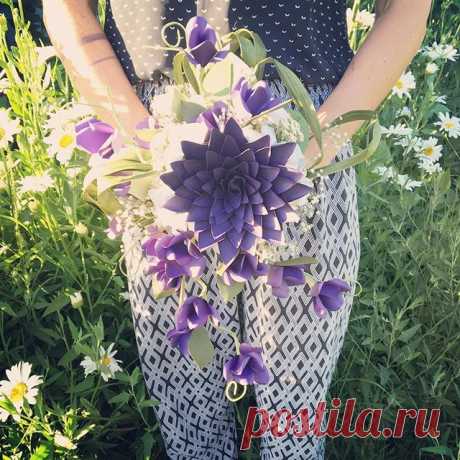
[301, 98]
[354, 115]
[297, 261]
[190, 75]
[228, 293]
[200, 347]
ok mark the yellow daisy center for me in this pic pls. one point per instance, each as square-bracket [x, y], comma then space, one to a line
[106, 360]
[400, 84]
[428, 151]
[18, 392]
[448, 125]
[2, 133]
[65, 141]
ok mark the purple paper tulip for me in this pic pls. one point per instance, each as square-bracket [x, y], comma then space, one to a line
[194, 313]
[215, 117]
[95, 137]
[247, 368]
[233, 191]
[328, 295]
[257, 99]
[244, 267]
[172, 257]
[115, 228]
[282, 278]
[201, 42]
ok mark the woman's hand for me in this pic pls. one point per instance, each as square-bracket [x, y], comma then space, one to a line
[394, 40]
[91, 62]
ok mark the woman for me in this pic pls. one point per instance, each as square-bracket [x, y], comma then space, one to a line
[118, 72]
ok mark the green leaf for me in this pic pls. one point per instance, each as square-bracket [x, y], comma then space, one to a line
[228, 293]
[297, 261]
[441, 450]
[57, 304]
[301, 98]
[190, 75]
[43, 452]
[200, 347]
[120, 399]
[148, 441]
[354, 115]
[178, 72]
[357, 158]
[443, 182]
[149, 403]
[407, 335]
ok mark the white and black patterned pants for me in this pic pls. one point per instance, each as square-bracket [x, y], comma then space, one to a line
[299, 349]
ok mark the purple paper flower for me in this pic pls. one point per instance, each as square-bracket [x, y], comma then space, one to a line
[115, 228]
[172, 257]
[214, 117]
[282, 278]
[247, 368]
[234, 192]
[194, 313]
[244, 267]
[201, 42]
[328, 295]
[257, 99]
[95, 137]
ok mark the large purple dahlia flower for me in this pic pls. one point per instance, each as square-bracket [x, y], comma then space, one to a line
[248, 367]
[201, 42]
[172, 257]
[233, 191]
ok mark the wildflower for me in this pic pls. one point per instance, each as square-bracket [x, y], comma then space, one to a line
[404, 85]
[8, 128]
[62, 142]
[399, 130]
[440, 51]
[65, 117]
[430, 167]
[106, 364]
[449, 124]
[404, 112]
[363, 18]
[328, 295]
[385, 172]
[247, 368]
[431, 68]
[430, 150]
[441, 99]
[21, 386]
[76, 299]
[409, 143]
[73, 172]
[39, 183]
[81, 229]
[407, 183]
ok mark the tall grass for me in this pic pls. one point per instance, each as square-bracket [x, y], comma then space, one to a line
[402, 348]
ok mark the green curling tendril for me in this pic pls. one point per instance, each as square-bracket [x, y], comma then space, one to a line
[235, 397]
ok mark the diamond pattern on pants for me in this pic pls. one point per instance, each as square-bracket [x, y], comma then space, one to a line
[300, 350]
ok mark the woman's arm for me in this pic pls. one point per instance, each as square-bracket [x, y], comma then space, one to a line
[91, 62]
[388, 49]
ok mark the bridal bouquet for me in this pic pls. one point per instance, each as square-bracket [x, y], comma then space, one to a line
[217, 168]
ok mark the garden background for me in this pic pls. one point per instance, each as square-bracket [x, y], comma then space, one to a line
[63, 292]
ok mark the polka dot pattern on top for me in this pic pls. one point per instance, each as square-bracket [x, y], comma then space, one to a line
[309, 36]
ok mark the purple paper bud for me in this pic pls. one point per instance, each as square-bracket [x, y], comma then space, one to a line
[328, 295]
[244, 267]
[247, 368]
[95, 137]
[282, 278]
[257, 99]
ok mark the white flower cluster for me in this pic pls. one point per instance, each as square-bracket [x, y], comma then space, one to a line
[391, 174]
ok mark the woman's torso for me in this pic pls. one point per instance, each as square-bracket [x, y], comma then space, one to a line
[310, 36]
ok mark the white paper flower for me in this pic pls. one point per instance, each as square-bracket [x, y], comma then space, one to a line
[8, 128]
[449, 124]
[429, 150]
[21, 386]
[404, 85]
[106, 364]
[39, 183]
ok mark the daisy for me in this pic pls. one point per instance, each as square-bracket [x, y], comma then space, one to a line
[405, 84]
[106, 364]
[441, 99]
[386, 172]
[21, 386]
[404, 112]
[38, 184]
[431, 68]
[429, 167]
[409, 143]
[449, 124]
[8, 128]
[430, 150]
[407, 183]
[66, 115]
[365, 18]
[447, 52]
[62, 142]
[399, 130]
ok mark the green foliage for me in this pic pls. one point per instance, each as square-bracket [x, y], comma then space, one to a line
[402, 347]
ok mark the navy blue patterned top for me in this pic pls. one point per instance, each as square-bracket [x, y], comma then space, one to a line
[310, 36]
